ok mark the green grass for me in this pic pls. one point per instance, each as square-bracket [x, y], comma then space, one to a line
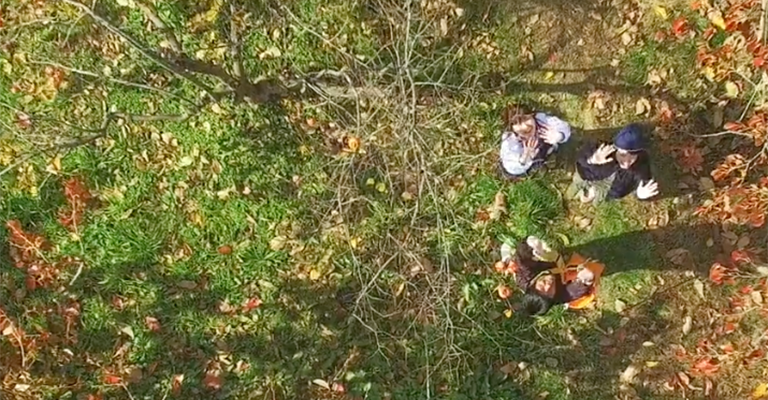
[395, 298]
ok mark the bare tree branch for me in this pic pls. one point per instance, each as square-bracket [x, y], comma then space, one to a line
[235, 46]
[111, 79]
[156, 58]
[151, 14]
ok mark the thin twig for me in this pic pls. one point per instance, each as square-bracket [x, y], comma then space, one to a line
[156, 58]
[151, 14]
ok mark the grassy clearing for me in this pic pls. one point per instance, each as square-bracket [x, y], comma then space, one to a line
[371, 268]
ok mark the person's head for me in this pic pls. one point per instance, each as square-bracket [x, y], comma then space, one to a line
[520, 121]
[629, 144]
[544, 285]
[535, 304]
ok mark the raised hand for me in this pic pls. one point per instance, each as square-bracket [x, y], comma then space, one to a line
[550, 135]
[602, 155]
[646, 190]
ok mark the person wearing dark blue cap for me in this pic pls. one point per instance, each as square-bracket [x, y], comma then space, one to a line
[612, 171]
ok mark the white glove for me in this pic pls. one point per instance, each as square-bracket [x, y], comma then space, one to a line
[541, 250]
[602, 155]
[586, 276]
[549, 135]
[506, 253]
[646, 190]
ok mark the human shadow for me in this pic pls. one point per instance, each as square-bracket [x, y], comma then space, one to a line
[676, 247]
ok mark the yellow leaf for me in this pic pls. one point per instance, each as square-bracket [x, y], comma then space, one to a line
[709, 73]
[761, 391]
[661, 12]
[508, 313]
[716, 18]
[731, 89]
[549, 75]
[314, 275]
[651, 364]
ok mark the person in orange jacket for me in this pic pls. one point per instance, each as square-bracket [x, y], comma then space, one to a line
[548, 280]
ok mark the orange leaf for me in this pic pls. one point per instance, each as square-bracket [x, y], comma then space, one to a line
[706, 366]
[225, 250]
[176, 382]
[110, 379]
[250, 304]
[680, 26]
[77, 196]
[504, 291]
[719, 274]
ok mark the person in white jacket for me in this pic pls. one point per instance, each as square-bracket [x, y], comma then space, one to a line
[528, 139]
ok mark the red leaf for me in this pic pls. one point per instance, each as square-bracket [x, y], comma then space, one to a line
[77, 196]
[212, 379]
[680, 27]
[250, 304]
[338, 387]
[152, 324]
[729, 327]
[727, 348]
[95, 397]
[110, 379]
[706, 366]
[719, 274]
[225, 250]
[758, 62]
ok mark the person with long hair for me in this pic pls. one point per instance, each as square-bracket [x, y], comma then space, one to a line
[528, 139]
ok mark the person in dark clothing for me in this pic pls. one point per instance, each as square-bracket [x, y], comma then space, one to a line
[613, 171]
[540, 274]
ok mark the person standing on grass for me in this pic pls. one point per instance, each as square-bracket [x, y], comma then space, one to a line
[547, 279]
[613, 171]
[528, 139]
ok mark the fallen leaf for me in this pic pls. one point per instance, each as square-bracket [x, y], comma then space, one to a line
[110, 379]
[272, 52]
[498, 207]
[189, 285]
[504, 291]
[757, 297]
[127, 330]
[176, 382]
[212, 379]
[620, 305]
[508, 369]
[252, 303]
[680, 27]
[651, 364]
[677, 256]
[661, 12]
[684, 379]
[628, 376]
[152, 324]
[642, 106]
[706, 366]
[687, 324]
[338, 387]
[761, 391]
[322, 383]
[699, 286]
[23, 120]
[731, 90]
[225, 250]
[278, 243]
[708, 387]
[626, 38]
[716, 18]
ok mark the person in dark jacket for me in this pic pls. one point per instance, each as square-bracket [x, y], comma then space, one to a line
[613, 171]
[544, 286]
